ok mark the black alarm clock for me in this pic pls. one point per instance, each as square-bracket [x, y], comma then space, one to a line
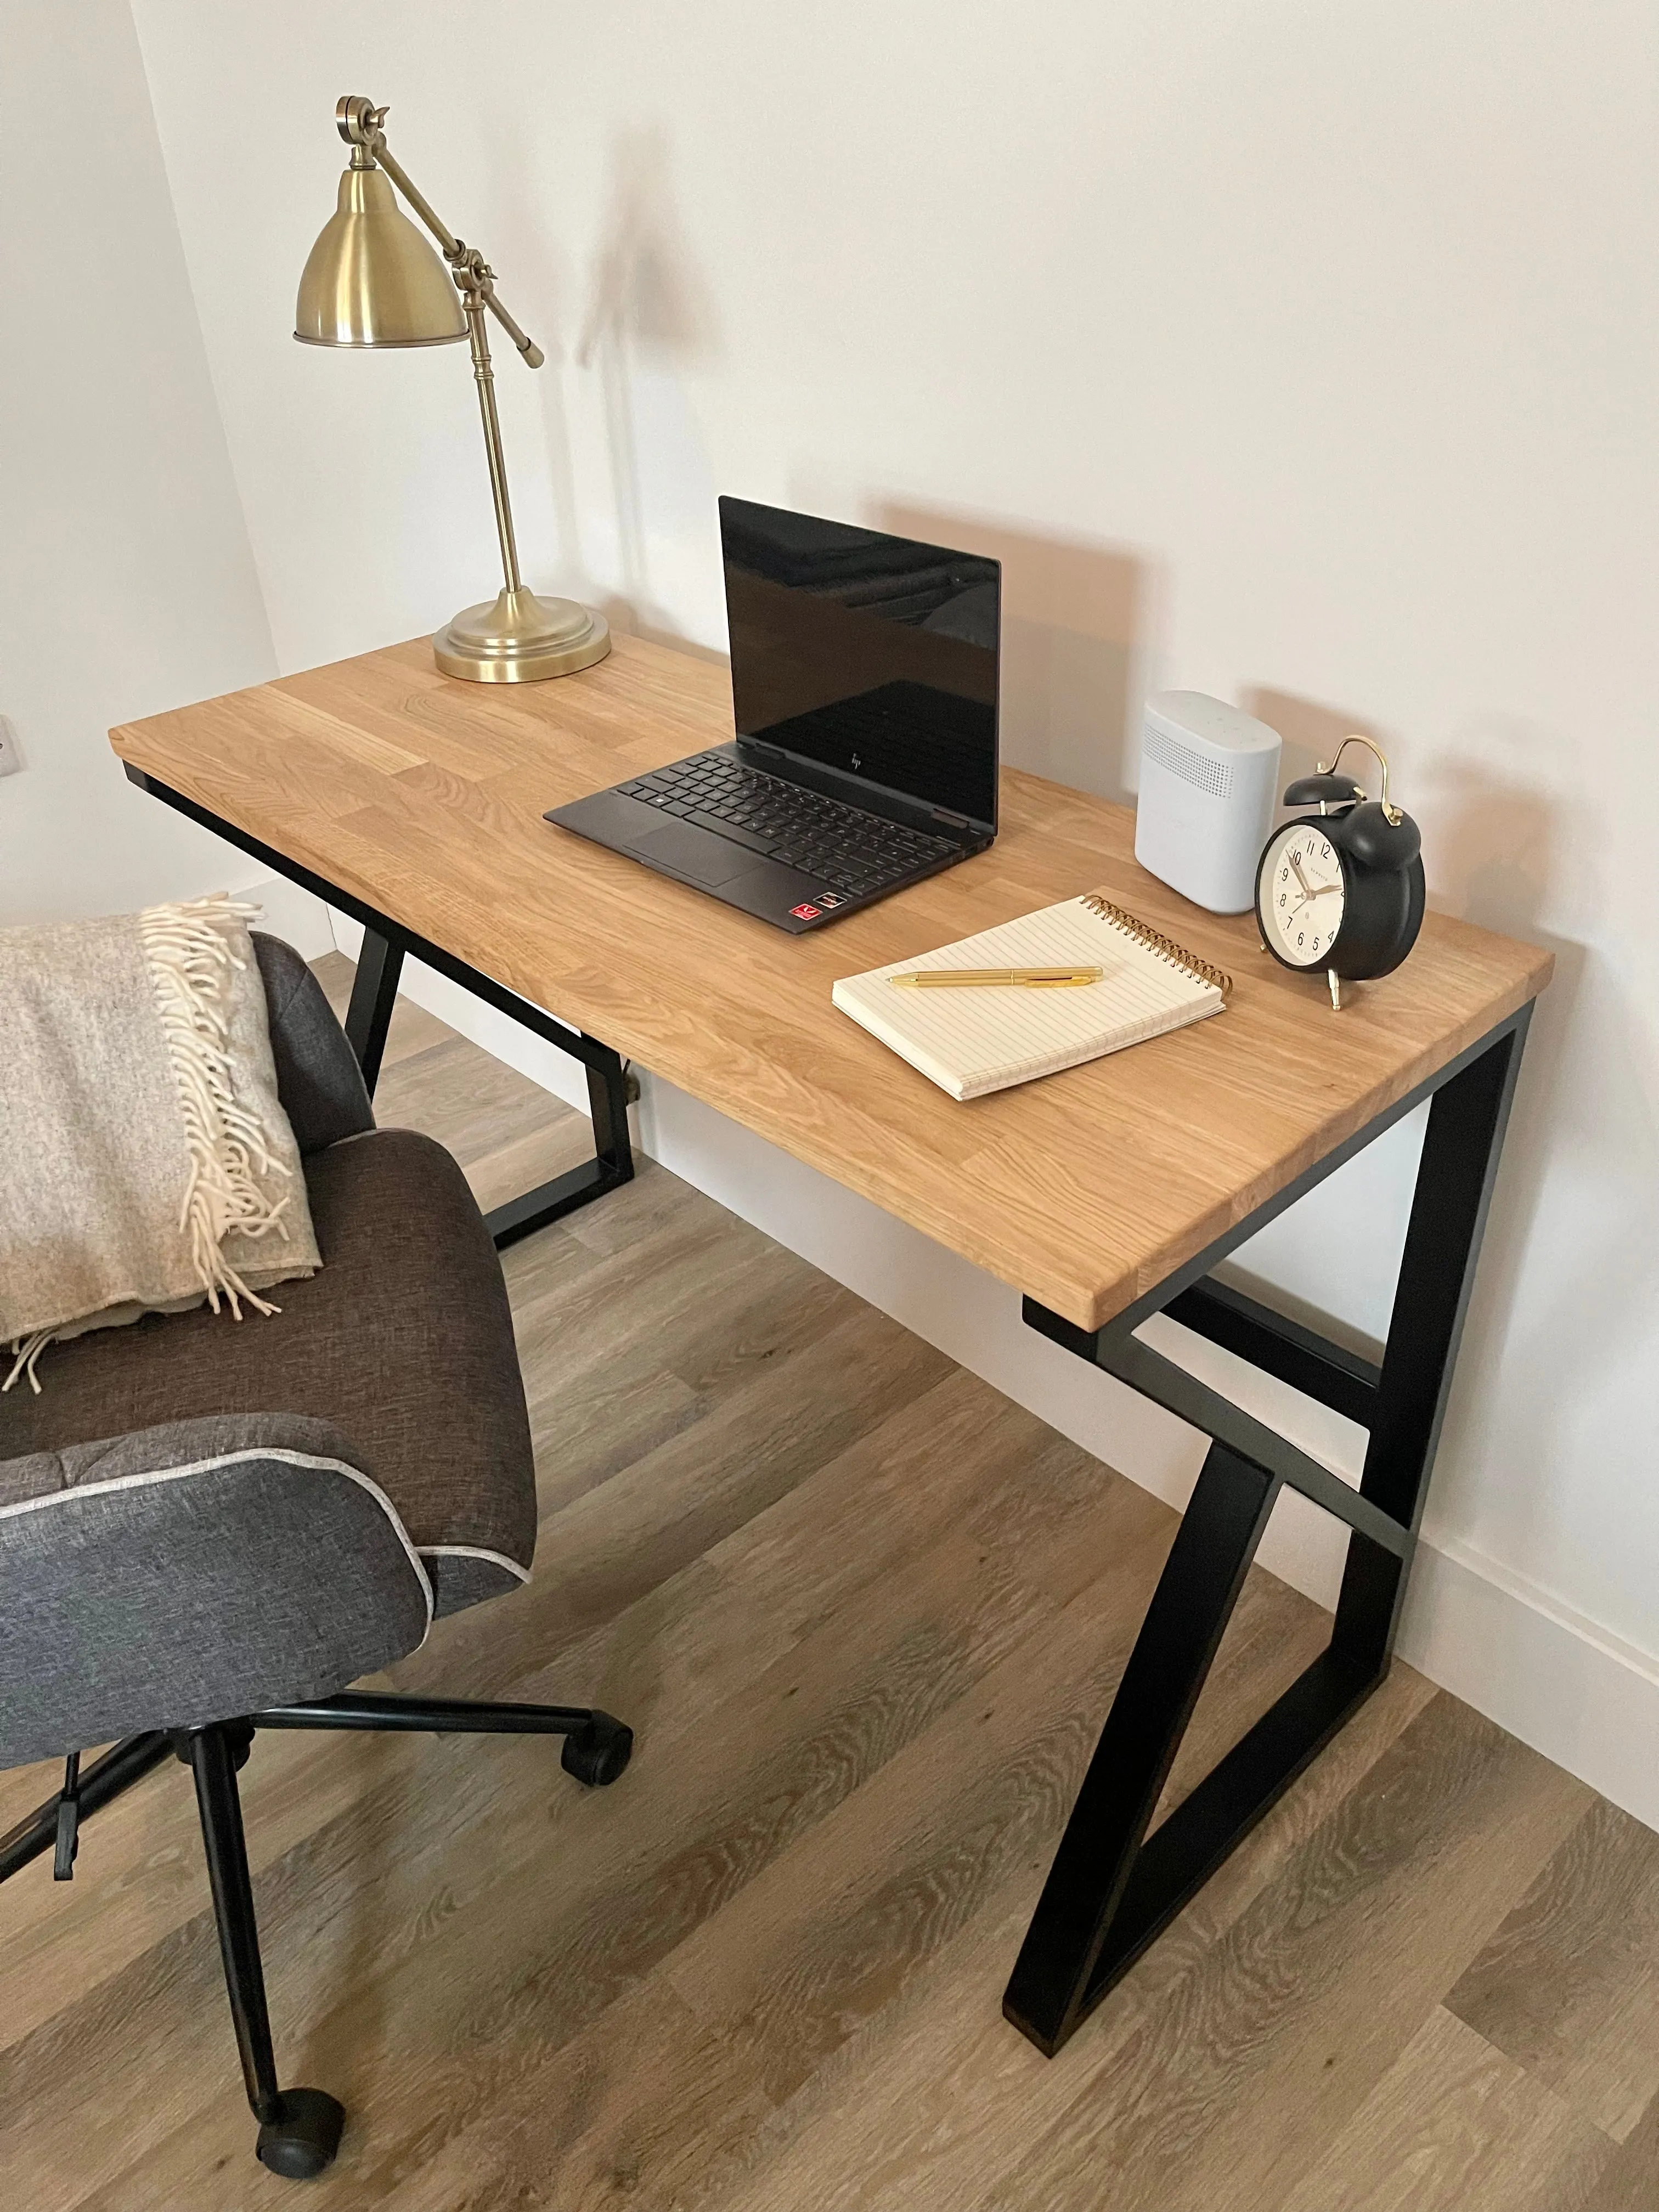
[1341, 889]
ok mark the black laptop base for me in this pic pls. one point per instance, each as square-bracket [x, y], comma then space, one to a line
[650, 820]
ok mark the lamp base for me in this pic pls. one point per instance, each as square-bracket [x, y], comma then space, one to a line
[520, 639]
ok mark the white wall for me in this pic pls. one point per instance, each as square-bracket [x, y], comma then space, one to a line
[1299, 355]
[126, 580]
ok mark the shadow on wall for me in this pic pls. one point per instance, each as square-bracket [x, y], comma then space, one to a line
[1542, 1341]
[1312, 734]
[648, 310]
[1580, 1177]
[539, 290]
[1070, 614]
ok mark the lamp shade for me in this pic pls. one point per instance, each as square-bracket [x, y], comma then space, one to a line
[371, 279]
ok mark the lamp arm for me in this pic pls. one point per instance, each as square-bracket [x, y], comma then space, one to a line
[360, 124]
[533, 355]
[376, 146]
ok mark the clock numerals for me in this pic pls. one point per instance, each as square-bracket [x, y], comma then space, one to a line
[1302, 895]
[1344, 894]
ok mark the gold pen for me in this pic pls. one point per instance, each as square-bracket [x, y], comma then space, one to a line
[933, 979]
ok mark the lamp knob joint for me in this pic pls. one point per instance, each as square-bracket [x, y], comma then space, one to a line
[357, 118]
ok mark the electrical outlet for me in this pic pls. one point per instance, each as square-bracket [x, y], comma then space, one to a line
[10, 759]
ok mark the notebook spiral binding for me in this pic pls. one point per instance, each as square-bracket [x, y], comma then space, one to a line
[1155, 941]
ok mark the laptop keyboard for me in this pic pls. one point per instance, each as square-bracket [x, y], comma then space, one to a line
[850, 851]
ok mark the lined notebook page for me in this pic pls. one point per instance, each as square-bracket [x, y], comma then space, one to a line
[973, 1041]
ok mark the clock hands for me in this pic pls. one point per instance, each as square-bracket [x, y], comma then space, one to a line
[1317, 890]
[1310, 891]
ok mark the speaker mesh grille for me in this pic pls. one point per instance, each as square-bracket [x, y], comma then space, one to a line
[1212, 775]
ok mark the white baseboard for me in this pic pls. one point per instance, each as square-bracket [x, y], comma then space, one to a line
[1577, 1694]
[1560, 1681]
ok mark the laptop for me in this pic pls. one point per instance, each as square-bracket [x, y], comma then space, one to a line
[864, 682]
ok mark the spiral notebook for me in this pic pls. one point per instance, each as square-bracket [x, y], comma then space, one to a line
[973, 1041]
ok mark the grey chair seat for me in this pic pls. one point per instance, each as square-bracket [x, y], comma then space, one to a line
[208, 1528]
[404, 1341]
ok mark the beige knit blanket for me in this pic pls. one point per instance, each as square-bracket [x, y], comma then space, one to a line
[145, 1161]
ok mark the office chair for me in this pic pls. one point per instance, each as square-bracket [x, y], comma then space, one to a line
[207, 1529]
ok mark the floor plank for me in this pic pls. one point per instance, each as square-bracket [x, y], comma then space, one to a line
[1569, 1985]
[1630, 2182]
[866, 1616]
[1454, 2126]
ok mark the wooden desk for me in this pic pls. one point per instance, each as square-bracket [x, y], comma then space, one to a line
[1104, 1195]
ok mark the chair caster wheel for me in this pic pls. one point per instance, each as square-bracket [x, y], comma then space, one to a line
[303, 2139]
[597, 1753]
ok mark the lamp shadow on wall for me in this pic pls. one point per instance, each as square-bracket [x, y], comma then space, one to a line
[542, 273]
[648, 309]
[1071, 618]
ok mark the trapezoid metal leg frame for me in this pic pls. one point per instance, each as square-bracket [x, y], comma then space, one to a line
[611, 1165]
[373, 995]
[1113, 1888]
[368, 1018]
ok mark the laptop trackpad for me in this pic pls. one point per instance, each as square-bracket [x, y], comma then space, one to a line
[697, 854]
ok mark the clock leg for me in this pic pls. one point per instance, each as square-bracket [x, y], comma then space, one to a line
[1335, 982]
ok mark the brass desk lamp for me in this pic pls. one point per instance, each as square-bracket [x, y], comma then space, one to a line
[372, 280]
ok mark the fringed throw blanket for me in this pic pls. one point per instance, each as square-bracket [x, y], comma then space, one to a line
[145, 1162]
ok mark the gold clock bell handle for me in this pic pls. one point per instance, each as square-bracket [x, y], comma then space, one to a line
[1391, 813]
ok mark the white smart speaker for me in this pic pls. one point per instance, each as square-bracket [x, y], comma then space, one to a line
[1209, 780]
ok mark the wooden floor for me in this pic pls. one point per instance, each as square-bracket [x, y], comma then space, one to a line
[866, 1617]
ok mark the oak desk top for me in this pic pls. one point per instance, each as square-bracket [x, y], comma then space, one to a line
[423, 797]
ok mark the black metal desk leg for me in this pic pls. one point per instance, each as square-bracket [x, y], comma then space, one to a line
[607, 1098]
[1455, 1178]
[612, 1162]
[373, 995]
[1113, 1887]
[1190, 1610]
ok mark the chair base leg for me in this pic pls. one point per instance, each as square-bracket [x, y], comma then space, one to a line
[298, 2129]
[101, 1784]
[597, 1746]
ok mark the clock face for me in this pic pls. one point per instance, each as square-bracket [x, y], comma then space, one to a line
[1300, 895]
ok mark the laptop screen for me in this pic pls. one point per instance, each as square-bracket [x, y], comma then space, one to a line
[873, 656]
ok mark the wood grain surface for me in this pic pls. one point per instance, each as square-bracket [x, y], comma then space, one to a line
[423, 796]
[866, 1616]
